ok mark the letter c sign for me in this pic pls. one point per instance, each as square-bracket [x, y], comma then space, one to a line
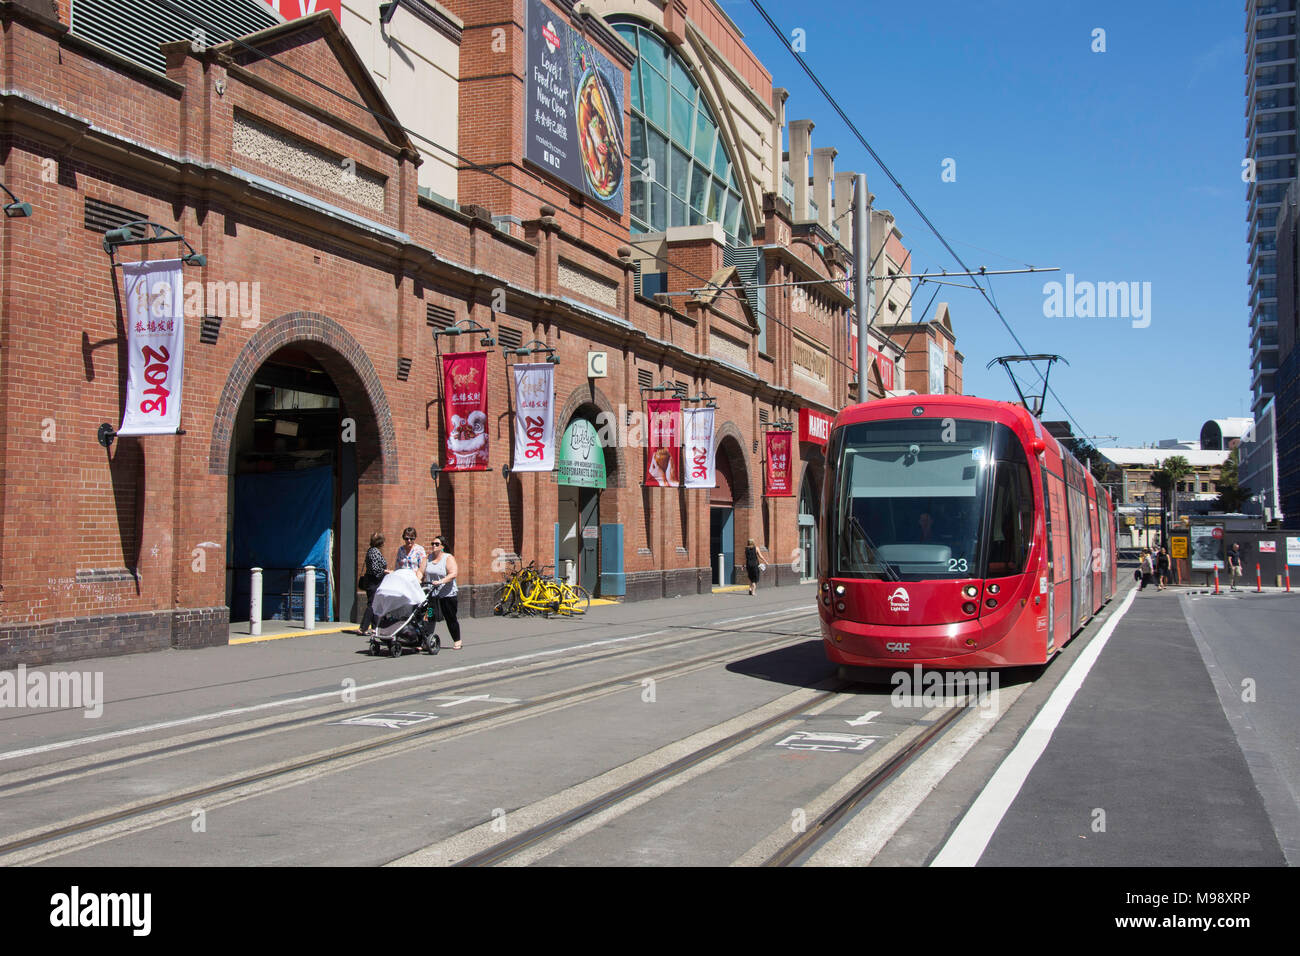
[597, 365]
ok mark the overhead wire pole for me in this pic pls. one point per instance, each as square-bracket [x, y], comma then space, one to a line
[862, 284]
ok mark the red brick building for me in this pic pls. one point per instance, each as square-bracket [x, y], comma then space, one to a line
[310, 346]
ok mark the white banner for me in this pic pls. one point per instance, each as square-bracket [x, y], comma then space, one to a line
[534, 417]
[697, 448]
[155, 310]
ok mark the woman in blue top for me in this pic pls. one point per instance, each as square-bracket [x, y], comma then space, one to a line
[410, 555]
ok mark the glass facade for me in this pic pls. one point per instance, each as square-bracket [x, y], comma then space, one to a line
[681, 174]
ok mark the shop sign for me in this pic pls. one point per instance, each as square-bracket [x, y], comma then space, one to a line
[814, 427]
[1268, 547]
[582, 459]
[573, 108]
[294, 9]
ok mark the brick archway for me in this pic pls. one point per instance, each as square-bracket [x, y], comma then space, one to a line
[589, 394]
[732, 443]
[353, 375]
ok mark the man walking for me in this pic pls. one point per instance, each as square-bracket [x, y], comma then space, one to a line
[1234, 564]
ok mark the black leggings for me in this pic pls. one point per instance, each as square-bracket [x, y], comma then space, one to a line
[368, 618]
[447, 605]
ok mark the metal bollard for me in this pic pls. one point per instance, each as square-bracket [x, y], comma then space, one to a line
[1216, 579]
[309, 598]
[255, 603]
[722, 570]
[1259, 581]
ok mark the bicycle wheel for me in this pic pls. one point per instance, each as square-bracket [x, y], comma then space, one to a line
[580, 598]
[551, 600]
[499, 599]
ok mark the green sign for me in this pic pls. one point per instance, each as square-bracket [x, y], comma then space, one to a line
[582, 460]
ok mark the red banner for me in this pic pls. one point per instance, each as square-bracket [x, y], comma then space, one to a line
[663, 466]
[779, 465]
[814, 427]
[464, 416]
[886, 366]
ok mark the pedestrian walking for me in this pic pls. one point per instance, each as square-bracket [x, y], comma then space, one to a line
[1145, 567]
[411, 555]
[1162, 569]
[376, 568]
[440, 574]
[1234, 564]
[752, 568]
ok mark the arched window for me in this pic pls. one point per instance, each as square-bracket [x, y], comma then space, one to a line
[681, 172]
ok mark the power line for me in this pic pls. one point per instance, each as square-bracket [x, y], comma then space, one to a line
[907, 196]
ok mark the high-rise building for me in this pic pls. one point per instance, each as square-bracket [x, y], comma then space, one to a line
[1270, 148]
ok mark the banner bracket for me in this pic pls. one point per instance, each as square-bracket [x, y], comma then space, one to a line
[126, 235]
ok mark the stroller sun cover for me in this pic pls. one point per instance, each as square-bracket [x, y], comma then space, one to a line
[397, 600]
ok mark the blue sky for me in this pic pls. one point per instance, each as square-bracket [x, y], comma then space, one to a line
[1122, 166]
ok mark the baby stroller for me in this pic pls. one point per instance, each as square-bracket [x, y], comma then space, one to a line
[406, 615]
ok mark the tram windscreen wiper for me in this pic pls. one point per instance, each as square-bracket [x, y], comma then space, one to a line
[856, 525]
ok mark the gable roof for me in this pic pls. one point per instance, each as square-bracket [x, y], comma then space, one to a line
[305, 29]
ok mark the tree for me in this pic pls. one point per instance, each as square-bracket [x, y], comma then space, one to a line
[1167, 479]
[1231, 494]
[1089, 456]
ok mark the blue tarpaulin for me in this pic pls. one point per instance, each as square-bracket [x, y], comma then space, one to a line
[282, 522]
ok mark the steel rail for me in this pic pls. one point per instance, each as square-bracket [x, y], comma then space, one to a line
[394, 742]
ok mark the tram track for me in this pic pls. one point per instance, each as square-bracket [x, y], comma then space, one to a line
[21, 779]
[68, 835]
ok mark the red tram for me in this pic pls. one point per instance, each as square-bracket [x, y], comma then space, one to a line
[957, 533]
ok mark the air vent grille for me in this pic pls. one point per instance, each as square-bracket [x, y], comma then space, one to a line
[509, 338]
[437, 316]
[102, 216]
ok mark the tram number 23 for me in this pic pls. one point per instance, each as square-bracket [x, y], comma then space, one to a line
[956, 564]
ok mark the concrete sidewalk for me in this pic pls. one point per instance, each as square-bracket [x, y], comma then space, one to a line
[1145, 767]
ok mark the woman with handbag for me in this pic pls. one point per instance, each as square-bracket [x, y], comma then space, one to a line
[1145, 569]
[376, 568]
[752, 567]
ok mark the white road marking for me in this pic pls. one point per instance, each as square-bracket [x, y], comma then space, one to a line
[324, 695]
[486, 698]
[864, 719]
[971, 838]
[394, 721]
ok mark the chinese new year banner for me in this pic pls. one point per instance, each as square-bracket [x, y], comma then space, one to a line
[663, 461]
[155, 310]
[698, 428]
[534, 417]
[779, 483]
[465, 410]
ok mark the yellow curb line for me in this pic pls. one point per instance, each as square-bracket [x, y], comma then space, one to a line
[731, 588]
[251, 639]
[595, 602]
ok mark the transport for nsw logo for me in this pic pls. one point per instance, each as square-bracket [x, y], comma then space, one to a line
[899, 600]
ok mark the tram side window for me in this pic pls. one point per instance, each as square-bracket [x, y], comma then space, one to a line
[1011, 530]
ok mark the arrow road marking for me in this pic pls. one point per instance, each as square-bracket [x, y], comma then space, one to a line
[486, 698]
[864, 719]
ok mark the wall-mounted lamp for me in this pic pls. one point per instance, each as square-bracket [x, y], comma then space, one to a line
[780, 425]
[466, 326]
[664, 386]
[709, 400]
[125, 235]
[534, 347]
[16, 209]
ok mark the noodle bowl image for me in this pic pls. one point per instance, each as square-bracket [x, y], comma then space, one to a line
[600, 130]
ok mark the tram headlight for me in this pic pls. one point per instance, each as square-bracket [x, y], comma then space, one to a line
[839, 606]
[839, 590]
[994, 588]
[991, 603]
[968, 607]
[970, 591]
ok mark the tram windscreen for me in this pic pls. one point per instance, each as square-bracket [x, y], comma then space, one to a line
[910, 497]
